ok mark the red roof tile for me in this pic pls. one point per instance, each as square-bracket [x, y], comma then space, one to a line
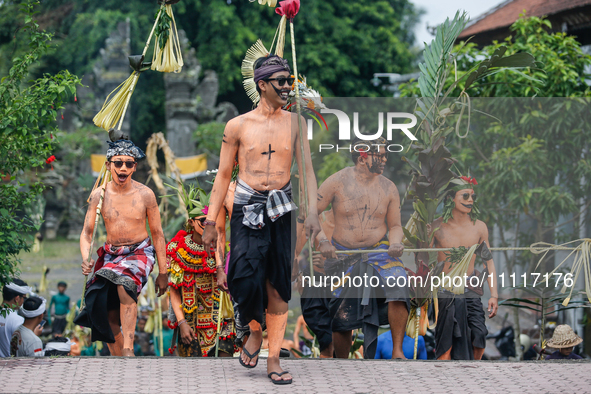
[508, 12]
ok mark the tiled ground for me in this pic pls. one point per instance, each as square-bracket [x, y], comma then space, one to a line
[176, 375]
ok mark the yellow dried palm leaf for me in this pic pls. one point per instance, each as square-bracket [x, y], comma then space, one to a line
[459, 271]
[256, 51]
[113, 110]
[280, 37]
[270, 3]
[169, 59]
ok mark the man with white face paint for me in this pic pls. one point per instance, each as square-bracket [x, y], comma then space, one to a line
[366, 208]
[127, 258]
[13, 294]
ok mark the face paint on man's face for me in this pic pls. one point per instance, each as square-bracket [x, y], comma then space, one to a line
[121, 175]
[464, 204]
[378, 163]
[283, 94]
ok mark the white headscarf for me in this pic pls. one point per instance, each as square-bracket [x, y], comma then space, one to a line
[19, 289]
[59, 346]
[30, 314]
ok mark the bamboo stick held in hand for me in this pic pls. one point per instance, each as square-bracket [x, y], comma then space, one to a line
[96, 219]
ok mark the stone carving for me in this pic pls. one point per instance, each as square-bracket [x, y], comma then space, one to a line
[190, 102]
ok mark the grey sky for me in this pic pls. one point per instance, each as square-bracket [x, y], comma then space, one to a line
[438, 10]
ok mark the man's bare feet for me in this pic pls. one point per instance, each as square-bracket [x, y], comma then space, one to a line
[398, 355]
[274, 366]
[253, 345]
[128, 352]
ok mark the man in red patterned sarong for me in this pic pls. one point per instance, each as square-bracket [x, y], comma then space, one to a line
[127, 258]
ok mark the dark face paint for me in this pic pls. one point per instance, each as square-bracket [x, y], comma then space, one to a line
[278, 91]
[376, 166]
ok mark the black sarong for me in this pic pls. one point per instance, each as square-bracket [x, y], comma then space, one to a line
[101, 297]
[315, 309]
[476, 319]
[255, 256]
[359, 307]
[58, 325]
[452, 330]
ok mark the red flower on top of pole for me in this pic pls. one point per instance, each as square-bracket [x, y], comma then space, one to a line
[289, 8]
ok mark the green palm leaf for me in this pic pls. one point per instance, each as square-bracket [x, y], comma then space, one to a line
[437, 54]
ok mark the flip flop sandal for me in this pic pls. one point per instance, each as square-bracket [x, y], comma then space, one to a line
[250, 356]
[279, 381]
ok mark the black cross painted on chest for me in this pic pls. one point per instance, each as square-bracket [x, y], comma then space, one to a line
[269, 152]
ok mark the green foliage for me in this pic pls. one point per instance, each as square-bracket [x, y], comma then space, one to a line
[331, 164]
[162, 30]
[544, 301]
[28, 112]
[437, 55]
[529, 156]
[340, 44]
[209, 137]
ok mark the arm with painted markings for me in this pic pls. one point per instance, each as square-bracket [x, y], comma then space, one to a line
[312, 224]
[223, 178]
[395, 233]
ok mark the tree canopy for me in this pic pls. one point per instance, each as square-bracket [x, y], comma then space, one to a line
[340, 44]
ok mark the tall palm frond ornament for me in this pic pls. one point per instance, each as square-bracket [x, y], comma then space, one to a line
[167, 57]
[430, 160]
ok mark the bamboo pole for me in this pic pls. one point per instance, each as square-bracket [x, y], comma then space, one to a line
[302, 151]
[220, 317]
[160, 328]
[359, 251]
[152, 31]
[417, 320]
[96, 219]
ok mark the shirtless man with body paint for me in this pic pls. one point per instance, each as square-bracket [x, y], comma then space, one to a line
[459, 226]
[265, 141]
[126, 260]
[366, 208]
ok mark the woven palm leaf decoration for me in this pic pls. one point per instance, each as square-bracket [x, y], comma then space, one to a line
[256, 51]
[270, 3]
[167, 57]
[115, 105]
[167, 53]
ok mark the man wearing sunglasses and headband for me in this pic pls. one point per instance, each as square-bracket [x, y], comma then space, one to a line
[366, 208]
[259, 274]
[127, 258]
[461, 327]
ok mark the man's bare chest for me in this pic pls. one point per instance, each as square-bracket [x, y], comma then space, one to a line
[267, 144]
[362, 203]
[448, 237]
[123, 208]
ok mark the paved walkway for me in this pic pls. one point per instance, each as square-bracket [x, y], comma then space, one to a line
[176, 375]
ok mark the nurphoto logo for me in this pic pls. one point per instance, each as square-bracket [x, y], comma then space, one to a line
[392, 123]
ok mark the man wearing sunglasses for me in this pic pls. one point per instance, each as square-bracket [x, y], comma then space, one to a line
[366, 208]
[127, 258]
[459, 226]
[265, 141]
